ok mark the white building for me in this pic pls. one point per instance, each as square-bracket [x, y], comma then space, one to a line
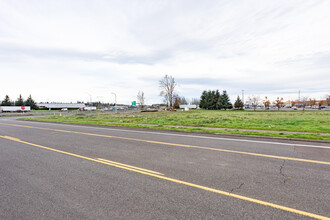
[61, 105]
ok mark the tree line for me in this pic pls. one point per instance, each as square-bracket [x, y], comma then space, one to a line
[19, 102]
[214, 100]
[211, 99]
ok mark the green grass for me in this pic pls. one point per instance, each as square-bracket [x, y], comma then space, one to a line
[294, 121]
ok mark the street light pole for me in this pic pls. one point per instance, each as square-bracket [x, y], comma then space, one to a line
[243, 97]
[115, 101]
[115, 98]
[90, 97]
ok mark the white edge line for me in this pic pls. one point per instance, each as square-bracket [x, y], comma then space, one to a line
[186, 135]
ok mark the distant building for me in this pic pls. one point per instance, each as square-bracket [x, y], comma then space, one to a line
[188, 106]
[288, 103]
[159, 106]
[61, 105]
[15, 108]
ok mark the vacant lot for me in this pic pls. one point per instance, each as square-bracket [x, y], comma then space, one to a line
[203, 120]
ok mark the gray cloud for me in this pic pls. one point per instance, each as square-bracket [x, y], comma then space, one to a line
[263, 47]
[319, 60]
[266, 88]
[14, 52]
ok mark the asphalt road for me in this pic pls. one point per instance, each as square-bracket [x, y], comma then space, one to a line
[55, 171]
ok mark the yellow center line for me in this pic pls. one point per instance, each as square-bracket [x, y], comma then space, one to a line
[128, 167]
[178, 145]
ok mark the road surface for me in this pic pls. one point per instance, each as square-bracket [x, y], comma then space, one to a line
[58, 171]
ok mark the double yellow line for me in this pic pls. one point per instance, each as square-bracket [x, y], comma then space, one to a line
[127, 167]
[161, 176]
[178, 145]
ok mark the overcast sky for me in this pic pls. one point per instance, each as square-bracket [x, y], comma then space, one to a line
[65, 50]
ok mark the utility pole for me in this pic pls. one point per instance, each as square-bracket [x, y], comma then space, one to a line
[115, 98]
[243, 97]
[90, 97]
[115, 101]
[290, 102]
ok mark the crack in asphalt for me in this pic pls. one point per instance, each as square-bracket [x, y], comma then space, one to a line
[236, 188]
[286, 178]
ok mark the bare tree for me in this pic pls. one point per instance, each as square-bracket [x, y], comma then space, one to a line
[304, 102]
[179, 100]
[254, 100]
[278, 103]
[321, 103]
[167, 86]
[266, 103]
[183, 101]
[312, 102]
[195, 101]
[141, 99]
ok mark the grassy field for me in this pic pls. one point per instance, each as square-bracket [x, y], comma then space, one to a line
[202, 120]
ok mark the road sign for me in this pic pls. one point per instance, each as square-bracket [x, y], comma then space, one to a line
[133, 103]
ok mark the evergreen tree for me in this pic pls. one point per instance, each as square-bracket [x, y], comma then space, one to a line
[224, 102]
[202, 103]
[216, 98]
[6, 101]
[30, 102]
[206, 100]
[238, 104]
[176, 102]
[220, 103]
[212, 103]
[210, 100]
[19, 101]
